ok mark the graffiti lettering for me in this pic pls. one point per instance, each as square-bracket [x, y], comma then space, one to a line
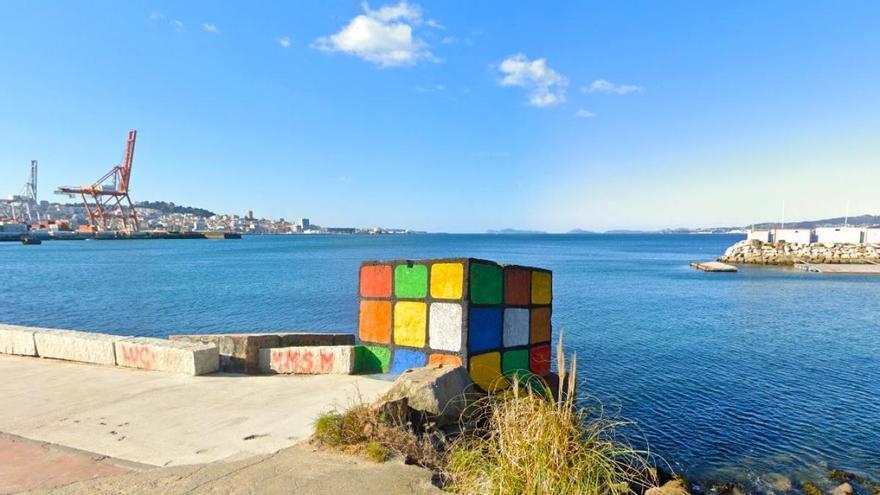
[304, 362]
[139, 356]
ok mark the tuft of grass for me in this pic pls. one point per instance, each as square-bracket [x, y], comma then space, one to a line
[328, 429]
[366, 432]
[376, 452]
[533, 443]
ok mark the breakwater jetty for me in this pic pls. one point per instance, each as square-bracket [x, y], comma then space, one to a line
[757, 252]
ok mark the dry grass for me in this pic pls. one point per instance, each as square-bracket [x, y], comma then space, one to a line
[368, 433]
[531, 443]
[525, 441]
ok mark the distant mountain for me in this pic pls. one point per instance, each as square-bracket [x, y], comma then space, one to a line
[581, 231]
[514, 231]
[859, 221]
[166, 208]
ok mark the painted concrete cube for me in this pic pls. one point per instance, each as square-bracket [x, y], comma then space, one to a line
[494, 319]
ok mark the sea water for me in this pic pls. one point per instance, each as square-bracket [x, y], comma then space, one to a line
[726, 375]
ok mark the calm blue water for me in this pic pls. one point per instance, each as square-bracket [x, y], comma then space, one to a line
[767, 370]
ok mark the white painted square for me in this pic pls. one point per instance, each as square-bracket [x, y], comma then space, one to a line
[516, 327]
[444, 327]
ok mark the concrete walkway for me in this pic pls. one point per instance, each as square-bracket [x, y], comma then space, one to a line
[300, 470]
[28, 465]
[163, 419]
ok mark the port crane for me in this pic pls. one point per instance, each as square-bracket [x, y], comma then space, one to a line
[106, 201]
[23, 208]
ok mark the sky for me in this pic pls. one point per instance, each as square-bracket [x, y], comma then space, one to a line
[453, 116]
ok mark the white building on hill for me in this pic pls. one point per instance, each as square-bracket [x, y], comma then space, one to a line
[759, 235]
[839, 235]
[793, 236]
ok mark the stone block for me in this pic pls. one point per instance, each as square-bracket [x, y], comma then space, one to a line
[17, 340]
[69, 345]
[439, 393]
[309, 360]
[240, 352]
[188, 358]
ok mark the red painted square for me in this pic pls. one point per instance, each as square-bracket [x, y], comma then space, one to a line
[376, 281]
[539, 360]
[517, 286]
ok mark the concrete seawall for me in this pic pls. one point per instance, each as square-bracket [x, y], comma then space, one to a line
[782, 253]
[109, 350]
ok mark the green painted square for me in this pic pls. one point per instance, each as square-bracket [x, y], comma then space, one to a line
[487, 284]
[411, 281]
[515, 362]
[371, 359]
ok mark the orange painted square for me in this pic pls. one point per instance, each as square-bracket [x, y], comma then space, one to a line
[444, 359]
[374, 324]
[539, 325]
[376, 281]
[517, 286]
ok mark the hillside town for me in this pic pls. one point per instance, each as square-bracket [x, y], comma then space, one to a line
[168, 217]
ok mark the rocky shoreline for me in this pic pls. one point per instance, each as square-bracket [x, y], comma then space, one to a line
[756, 252]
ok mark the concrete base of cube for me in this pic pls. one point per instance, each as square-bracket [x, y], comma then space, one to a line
[165, 355]
[239, 352]
[310, 360]
[84, 347]
[17, 340]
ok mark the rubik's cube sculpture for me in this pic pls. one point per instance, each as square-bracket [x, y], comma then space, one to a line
[493, 319]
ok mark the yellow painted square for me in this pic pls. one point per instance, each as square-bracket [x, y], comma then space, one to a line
[486, 371]
[410, 321]
[447, 280]
[542, 290]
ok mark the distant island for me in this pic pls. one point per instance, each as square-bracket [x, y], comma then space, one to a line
[857, 221]
[515, 231]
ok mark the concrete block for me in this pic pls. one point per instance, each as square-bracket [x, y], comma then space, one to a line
[239, 353]
[165, 355]
[84, 347]
[311, 360]
[17, 340]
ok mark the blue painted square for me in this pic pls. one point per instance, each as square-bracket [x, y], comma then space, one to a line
[484, 329]
[404, 359]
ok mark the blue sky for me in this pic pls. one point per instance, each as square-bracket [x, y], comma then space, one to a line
[454, 116]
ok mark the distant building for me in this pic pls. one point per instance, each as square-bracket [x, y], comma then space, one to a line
[839, 235]
[793, 236]
[250, 214]
[759, 235]
[304, 223]
[872, 235]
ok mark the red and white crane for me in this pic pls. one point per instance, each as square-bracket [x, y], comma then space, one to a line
[106, 201]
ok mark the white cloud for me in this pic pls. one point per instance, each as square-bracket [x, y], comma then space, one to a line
[210, 28]
[383, 36]
[434, 24]
[603, 86]
[177, 24]
[546, 87]
[448, 40]
[585, 114]
[156, 16]
[285, 42]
